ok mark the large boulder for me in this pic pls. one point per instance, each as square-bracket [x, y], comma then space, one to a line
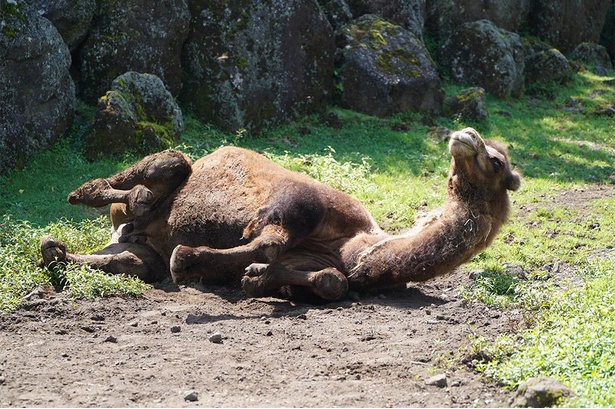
[250, 64]
[37, 94]
[138, 115]
[385, 69]
[443, 17]
[547, 66]
[481, 54]
[337, 12]
[593, 54]
[410, 14]
[138, 35]
[567, 23]
[72, 18]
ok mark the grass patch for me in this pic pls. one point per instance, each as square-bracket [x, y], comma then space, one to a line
[574, 341]
[19, 255]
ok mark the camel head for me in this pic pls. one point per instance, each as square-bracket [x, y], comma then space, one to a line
[479, 168]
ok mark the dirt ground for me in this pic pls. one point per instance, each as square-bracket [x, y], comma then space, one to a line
[378, 351]
[184, 346]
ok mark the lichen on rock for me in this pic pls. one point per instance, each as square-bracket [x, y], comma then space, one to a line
[467, 105]
[37, 94]
[138, 115]
[250, 64]
[481, 54]
[383, 69]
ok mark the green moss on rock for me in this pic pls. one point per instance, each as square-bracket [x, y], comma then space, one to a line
[137, 115]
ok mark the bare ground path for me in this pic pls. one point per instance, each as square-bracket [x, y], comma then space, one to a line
[153, 351]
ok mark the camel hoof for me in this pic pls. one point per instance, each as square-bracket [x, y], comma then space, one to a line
[329, 284]
[140, 200]
[52, 251]
[253, 286]
[259, 286]
[256, 269]
[181, 259]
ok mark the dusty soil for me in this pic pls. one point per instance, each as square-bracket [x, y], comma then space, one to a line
[377, 351]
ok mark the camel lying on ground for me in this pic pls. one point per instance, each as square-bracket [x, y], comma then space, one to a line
[235, 215]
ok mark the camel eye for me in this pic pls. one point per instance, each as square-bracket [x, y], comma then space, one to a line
[497, 164]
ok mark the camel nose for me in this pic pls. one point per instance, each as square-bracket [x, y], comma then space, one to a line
[466, 140]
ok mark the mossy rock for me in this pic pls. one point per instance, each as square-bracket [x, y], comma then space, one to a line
[252, 64]
[592, 54]
[37, 93]
[547, 66]
[138, 115]
[481, 54]
[385, 69]
[468, 105]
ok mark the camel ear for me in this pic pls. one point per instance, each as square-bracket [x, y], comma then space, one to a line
[513, 181]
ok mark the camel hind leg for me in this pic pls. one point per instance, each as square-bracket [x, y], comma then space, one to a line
[132, 259]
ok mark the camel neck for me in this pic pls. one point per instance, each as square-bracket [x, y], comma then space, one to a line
[434, 248]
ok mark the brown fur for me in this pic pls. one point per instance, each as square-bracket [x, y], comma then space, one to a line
[235, 212]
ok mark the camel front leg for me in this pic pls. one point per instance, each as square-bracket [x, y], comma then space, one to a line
[118, 258]
[263, 279]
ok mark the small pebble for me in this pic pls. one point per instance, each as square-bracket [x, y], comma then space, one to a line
[192, 396]
[111, 339]
[437, 380]
[216, 338]
[175, 329]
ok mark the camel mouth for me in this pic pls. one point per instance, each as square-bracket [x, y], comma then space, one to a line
[464, 142]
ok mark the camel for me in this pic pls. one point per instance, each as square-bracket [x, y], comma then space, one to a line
[235, 216]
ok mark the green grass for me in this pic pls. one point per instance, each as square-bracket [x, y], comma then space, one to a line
[574, 341]
[397, 169]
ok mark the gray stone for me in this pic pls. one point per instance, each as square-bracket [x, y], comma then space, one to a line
[384, 69]
[566, 23]
[252, 64]
[37, 94]
[133, 35]
[443, 17]
[337, 12]
[137, 115]
[72, 18]
[191, 396]
[481, 54]
[437, 380]
[593, 54]
[547, 66]
[540, 393]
